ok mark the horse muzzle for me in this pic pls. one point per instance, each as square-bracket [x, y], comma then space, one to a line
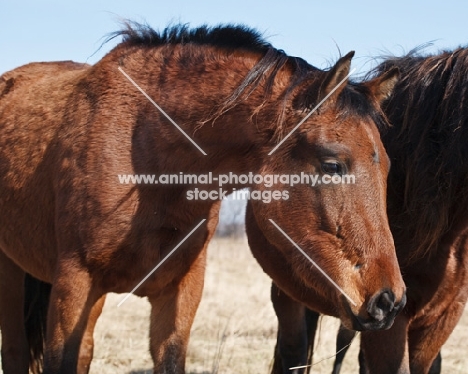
[381, 311]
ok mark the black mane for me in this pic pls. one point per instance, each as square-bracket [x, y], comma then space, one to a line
[428, 146]
[223, 36]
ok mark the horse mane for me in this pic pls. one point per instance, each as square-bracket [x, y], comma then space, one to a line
[223, 36]
[427, 143]
[234, 38]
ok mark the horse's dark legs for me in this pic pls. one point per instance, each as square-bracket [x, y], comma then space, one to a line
[362, 362]
[172, 314]
[386, 351]
[71, 301]
[15, 351]
[312, 318]
[87, 343]
[293, 336]
[436, 367]
[343, 340]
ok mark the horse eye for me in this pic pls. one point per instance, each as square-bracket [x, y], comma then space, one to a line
[331, 168]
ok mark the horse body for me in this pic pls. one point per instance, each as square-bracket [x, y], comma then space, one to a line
[68, 130]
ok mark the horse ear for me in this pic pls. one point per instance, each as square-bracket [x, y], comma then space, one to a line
[382, 86]
[335, 76]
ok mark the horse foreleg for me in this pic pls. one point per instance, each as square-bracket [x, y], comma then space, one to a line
[15, 351]
[426, 342]
[386, 351]
[87, 343]
[343, 341]
[71, 301]
[296, 332]
[172, 314]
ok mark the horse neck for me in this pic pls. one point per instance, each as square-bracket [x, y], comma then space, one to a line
[193, 93]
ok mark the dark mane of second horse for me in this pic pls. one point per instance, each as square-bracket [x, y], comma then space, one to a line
[427, 145]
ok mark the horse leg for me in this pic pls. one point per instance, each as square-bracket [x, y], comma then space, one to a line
[312, 318]
[15, 351]
[172, 314]
[362, 362]
[36, 305]
[436, 367]
[426, 342]
[386, 351]
[293, 339]
[71, 301]
[87, 343]
[343, 341]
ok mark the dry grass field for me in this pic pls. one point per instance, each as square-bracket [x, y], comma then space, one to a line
[234, 331]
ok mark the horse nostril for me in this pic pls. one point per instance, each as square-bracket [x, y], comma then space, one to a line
[381, 305]
[386, 301]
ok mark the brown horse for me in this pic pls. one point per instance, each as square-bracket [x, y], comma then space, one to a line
[68, 130]
[427, 204]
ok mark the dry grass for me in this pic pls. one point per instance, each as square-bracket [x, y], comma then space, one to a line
[234, 331]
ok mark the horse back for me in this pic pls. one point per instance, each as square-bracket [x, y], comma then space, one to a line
[33, 100]
[34, 72]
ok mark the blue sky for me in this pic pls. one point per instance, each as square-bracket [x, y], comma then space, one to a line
[72, 30]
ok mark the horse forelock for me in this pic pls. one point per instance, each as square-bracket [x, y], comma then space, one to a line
[427, 145]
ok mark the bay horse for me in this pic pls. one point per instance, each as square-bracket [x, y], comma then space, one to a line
[68, 130]
[427, 205]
